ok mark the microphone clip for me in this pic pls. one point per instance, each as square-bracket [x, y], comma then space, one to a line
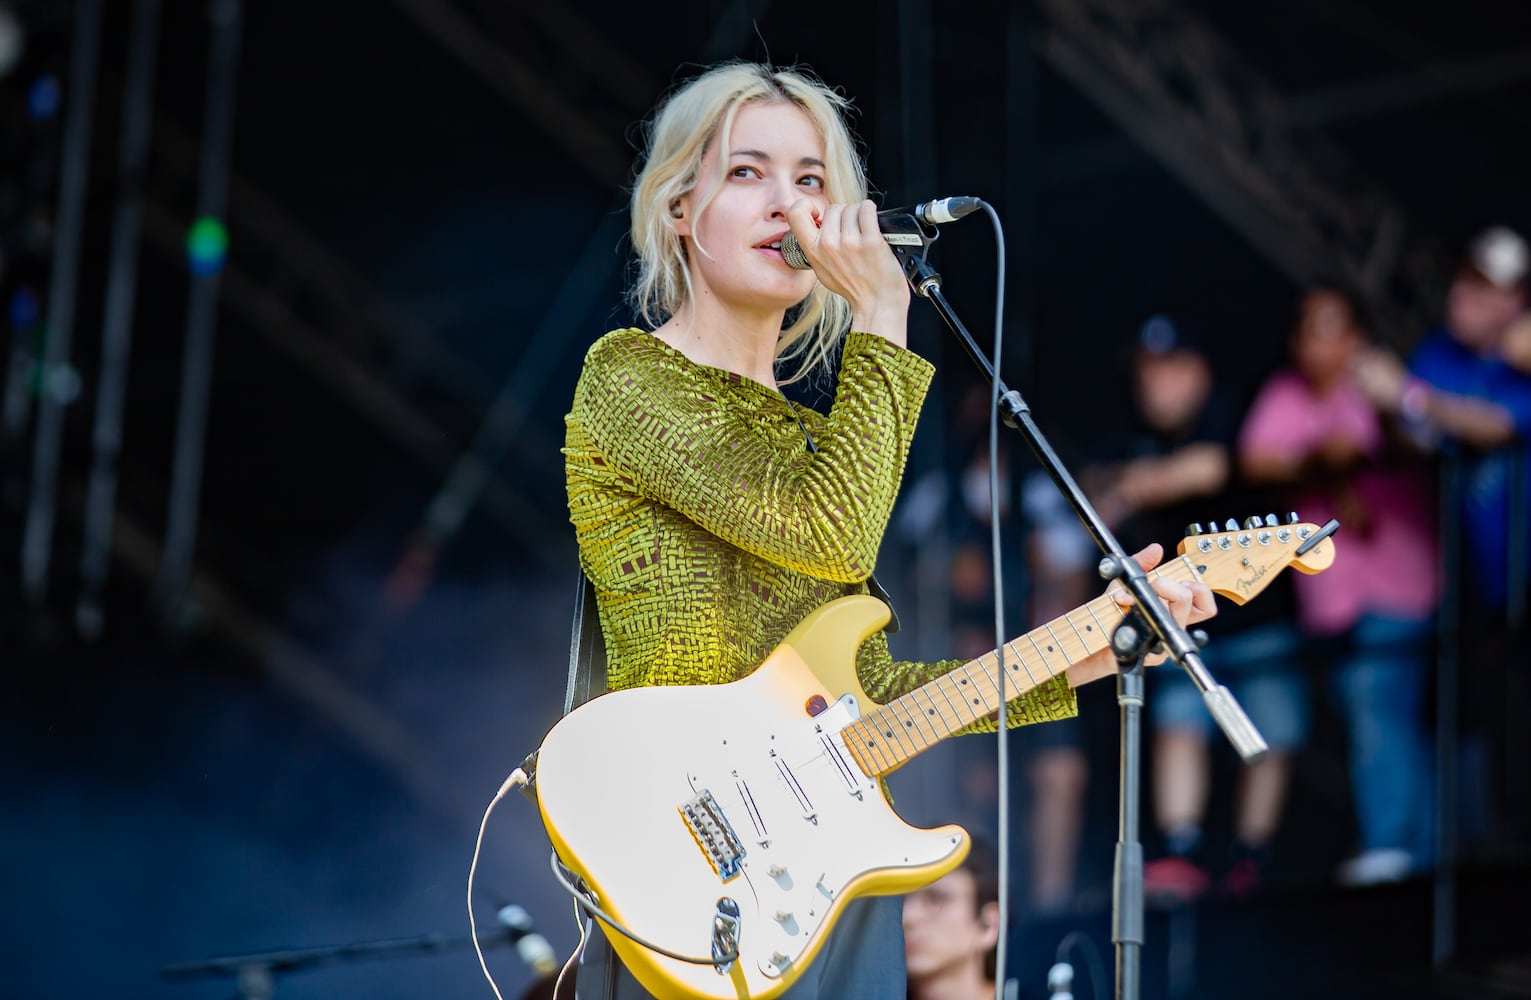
[909, 237]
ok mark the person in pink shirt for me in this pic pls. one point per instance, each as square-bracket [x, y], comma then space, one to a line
[1312, 430]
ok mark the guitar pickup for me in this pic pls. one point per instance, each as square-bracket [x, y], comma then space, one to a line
[714, 834]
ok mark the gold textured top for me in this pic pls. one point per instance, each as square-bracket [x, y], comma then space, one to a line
[710, 529]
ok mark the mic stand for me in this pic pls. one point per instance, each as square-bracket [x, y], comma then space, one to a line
[1150, 626]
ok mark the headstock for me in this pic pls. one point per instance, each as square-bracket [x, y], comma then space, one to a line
[1240, 561]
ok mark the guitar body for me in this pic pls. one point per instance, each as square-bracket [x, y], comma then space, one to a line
[667, 800]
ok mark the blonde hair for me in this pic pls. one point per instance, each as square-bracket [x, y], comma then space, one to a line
[683, 128]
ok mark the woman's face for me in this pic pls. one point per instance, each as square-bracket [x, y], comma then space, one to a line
[1325, 339]
[774, 157]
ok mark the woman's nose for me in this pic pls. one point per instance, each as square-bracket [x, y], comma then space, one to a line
[783, 195]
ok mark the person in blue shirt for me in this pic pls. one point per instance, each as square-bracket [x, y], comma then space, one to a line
[1467, 394]
[1461, 394]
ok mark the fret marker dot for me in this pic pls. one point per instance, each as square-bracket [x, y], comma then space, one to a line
[932, 711]
[1049, 649]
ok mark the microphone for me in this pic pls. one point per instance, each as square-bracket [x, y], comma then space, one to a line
[531, 946]
[901, 227]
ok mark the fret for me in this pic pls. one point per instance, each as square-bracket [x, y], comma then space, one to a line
[1056, 641]
[859, 746]
[907, 721]
[1032, 635]
[893, 730]
[1104, 628]
[925, 715]
[872, 743]
[1022, 661]
[955, 722]
[979, 695]
[1082, 640]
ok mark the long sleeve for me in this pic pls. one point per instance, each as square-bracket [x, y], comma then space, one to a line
[713, 451]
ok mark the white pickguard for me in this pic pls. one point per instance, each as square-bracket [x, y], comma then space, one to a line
[612, 779]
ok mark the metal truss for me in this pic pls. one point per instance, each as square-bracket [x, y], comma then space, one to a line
[331, 322]
[1172, 84]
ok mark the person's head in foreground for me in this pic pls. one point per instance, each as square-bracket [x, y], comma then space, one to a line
[951, 928]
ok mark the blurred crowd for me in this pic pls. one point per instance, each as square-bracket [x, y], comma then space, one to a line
[1423, 461]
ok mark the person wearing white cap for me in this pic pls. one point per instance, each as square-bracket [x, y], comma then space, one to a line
[1460, 393]
[1463, 395]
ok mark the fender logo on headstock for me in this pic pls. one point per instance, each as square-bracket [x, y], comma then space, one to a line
[1247, 583]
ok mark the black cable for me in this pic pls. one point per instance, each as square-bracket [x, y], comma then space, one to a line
[1091, 957]
[995, 557]
[610, 921]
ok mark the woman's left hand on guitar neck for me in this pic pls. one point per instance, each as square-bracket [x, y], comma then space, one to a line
[1189, 603]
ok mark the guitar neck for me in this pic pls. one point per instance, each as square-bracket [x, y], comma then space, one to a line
[884, 739]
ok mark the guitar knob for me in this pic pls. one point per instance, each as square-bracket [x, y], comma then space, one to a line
[1192, 529]
[783, 916]
[776, 871]
[1270, 520]
[1292, 518]
[1232, 525]
[1253, 522]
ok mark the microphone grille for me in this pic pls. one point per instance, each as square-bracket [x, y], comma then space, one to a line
[792, 253]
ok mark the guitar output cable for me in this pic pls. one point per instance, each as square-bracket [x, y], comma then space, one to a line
[589, 906]
[517, 779]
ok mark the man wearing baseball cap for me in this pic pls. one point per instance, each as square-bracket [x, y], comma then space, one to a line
[1462, 395]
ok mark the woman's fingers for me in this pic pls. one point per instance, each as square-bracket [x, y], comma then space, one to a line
[1203, 603]
[1150, 555]
[803, 220]
[1188, 601]
[850, 256]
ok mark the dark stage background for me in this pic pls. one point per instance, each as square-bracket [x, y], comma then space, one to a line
[425, 206]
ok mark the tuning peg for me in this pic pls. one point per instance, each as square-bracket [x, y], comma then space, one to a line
[1192, 529]
[1270, 520]
[1292, 518]
[1232, 525]
[1253, 522]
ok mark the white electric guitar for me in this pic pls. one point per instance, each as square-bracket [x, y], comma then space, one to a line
[744, 817]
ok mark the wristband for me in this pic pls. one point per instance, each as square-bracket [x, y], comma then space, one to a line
[1414, 399]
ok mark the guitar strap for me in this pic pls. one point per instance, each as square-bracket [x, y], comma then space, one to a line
[587, 649]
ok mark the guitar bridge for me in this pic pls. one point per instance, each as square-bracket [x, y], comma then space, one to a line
[714, 834]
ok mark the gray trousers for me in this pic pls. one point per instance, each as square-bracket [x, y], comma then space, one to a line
[862, 960]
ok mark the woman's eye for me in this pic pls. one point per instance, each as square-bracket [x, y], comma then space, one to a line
[745, 172]
[812, 181]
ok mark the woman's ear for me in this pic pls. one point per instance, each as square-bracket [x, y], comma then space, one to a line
[680, 218]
